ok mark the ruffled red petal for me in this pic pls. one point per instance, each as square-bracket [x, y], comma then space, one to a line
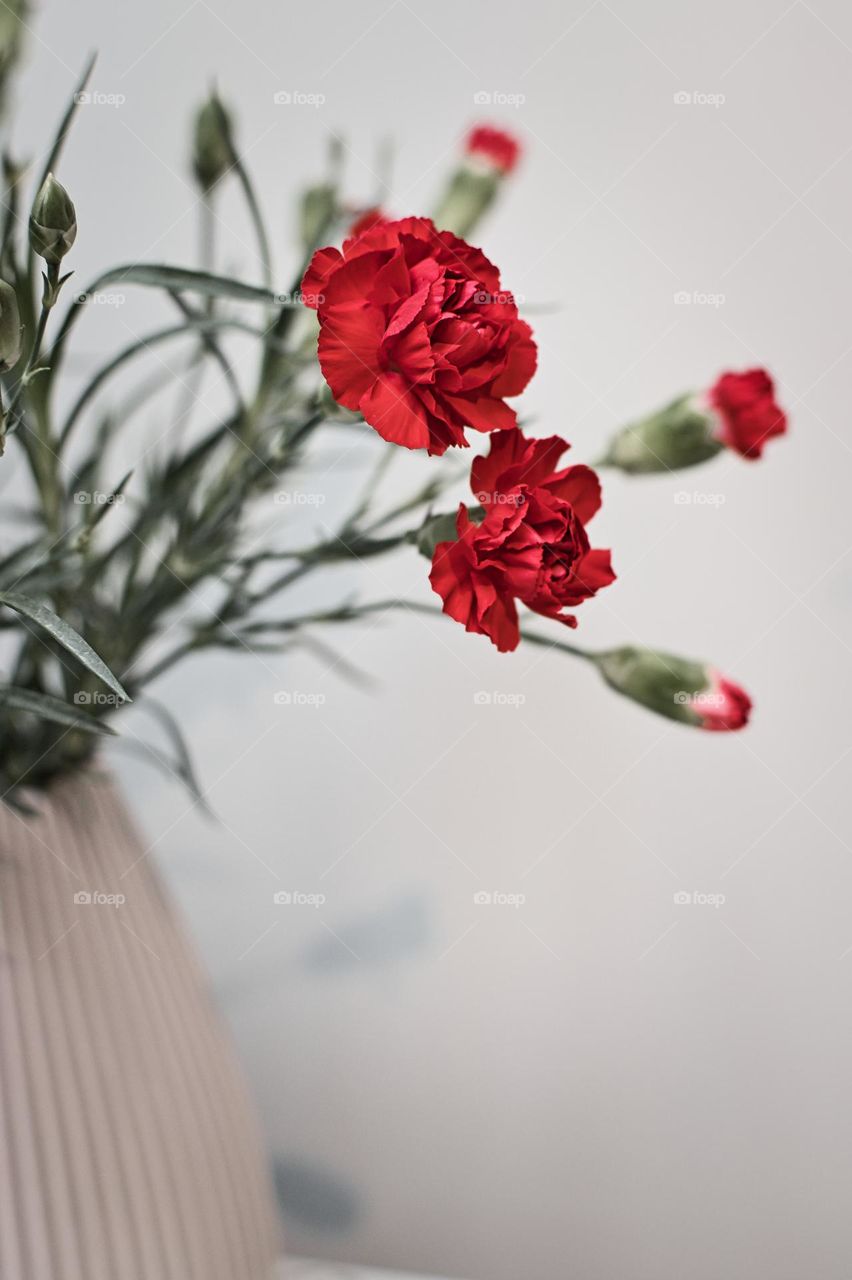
[349, 353]
[395, 412]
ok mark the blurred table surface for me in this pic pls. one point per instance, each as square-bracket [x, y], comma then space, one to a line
[313, 1269]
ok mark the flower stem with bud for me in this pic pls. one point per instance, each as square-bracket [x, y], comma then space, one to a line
[52, 232]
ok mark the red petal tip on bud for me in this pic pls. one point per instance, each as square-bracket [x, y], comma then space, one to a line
[723, 706]
[496, 147]
[746, 410]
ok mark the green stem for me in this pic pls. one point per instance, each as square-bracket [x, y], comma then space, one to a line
[38, 445]
[531, 638]
[257, 221]
[141, 347]
[163, 664]
[207, 237]
[206, 260]
[351, 613]
[32, 358]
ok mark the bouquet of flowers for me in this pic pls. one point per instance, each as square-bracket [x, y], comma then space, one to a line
[395, 331]
[393, 326]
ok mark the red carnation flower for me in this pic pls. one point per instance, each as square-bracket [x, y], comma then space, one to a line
[496, 148]
[747, 411]
[531, 545]
[416, 333]
[723, 705]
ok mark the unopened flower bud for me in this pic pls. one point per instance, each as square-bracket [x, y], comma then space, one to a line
[10, 328]
[691, 692]
[489, 155]
[53, 222]
[213, 146]
[738, 412]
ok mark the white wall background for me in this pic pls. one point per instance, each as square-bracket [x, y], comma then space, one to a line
[600, 1084]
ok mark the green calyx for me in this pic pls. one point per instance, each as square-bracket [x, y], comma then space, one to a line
[441, 528]
[678, 436]
[435, 529]
[53, 222]
[662, 682]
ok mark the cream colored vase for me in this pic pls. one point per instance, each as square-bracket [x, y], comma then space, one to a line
[128, 1148]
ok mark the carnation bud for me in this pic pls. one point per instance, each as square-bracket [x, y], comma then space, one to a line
[10, 328]
[53, 222]
[490, 154]
[213, 146]
[691, 692]
[738, 412]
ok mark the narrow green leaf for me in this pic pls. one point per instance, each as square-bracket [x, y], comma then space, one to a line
[99, 511]
[10, 795]
[184, 766]
[174, 279]
[50, 708]
[65, 123]
[64, 635]
[209, 343]
[256, 216]
[170, 768]
[141, 347]
[162, 276]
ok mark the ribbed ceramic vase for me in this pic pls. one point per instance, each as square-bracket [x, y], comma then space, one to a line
[128, 1148]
